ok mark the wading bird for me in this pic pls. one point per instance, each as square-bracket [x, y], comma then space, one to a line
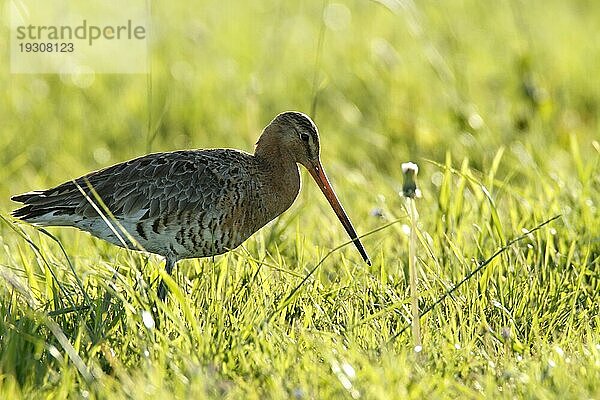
[191, 203]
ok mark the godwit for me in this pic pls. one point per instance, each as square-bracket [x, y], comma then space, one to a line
[191, 203]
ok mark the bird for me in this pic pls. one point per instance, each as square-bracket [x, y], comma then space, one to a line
[191, 203]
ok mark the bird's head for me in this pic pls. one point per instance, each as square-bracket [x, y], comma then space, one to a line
[296, 137]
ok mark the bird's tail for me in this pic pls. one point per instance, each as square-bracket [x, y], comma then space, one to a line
[44, 208]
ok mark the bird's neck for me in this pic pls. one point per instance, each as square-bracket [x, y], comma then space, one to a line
[278, 172]
[268, 143]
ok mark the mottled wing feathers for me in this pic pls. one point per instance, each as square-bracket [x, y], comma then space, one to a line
[157, 184]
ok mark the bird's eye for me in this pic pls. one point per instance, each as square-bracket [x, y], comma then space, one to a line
[304, 137]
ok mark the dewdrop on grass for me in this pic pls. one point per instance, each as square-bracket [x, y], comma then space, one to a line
[148, 320]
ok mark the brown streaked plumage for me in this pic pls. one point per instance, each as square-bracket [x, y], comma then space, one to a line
[191, 203]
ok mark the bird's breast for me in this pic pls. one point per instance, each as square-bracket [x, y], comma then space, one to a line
[279, 190]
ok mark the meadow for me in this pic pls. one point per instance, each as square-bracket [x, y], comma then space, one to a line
[497, 102]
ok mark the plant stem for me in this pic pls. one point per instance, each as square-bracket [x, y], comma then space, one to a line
[412, 271]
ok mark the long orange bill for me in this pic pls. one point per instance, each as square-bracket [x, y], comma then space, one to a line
[319, 176]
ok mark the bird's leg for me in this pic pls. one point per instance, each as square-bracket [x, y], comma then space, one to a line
[162, 288]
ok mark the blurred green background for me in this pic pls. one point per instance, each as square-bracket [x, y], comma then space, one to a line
[392, 80]
[507, 92]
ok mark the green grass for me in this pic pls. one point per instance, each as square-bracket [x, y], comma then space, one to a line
[497, 102]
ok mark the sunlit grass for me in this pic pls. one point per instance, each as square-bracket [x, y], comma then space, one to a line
[499, 105]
